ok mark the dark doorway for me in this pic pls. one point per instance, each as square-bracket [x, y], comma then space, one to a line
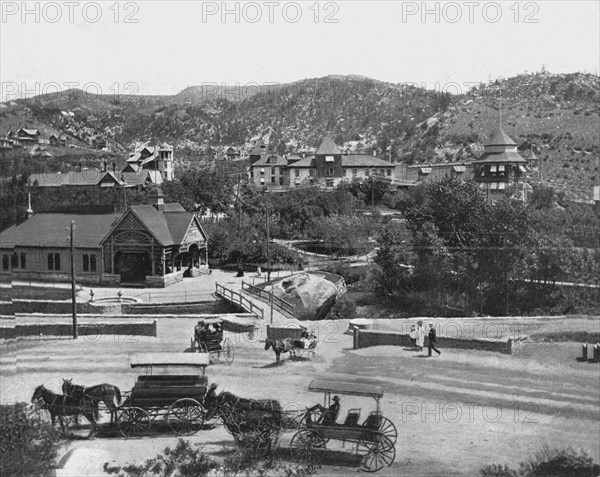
[132, 266]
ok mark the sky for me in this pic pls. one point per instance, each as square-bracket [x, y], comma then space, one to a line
[160, 47]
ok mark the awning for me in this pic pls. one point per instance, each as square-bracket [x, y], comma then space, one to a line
[338, 387]
[329, 159]
[426, 170]
[459, 168]
[522, 168]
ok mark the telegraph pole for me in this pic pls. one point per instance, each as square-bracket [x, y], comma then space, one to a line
[74, 303]
[268, 249]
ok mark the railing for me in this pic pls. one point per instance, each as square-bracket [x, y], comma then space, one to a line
[239, 299]
[277, 303]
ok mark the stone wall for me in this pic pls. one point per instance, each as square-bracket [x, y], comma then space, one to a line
[366, 338]
[192, 308]
[64, 329]
[159, 281]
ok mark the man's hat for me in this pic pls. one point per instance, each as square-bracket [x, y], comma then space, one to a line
[336, 398]
[420, 322]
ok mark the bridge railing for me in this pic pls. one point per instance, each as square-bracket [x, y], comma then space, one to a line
[239, 299]
[279, 304]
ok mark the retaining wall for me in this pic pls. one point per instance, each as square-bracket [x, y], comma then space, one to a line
[65, 329]
[366, 338]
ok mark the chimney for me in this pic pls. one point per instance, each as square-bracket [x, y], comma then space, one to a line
[29, 209]
[104, 165]
[157, 199]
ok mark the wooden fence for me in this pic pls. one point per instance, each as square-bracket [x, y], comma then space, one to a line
[279, 304]
[238, 299]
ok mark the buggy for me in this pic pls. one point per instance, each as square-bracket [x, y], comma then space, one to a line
[208, 338]
[375, 437]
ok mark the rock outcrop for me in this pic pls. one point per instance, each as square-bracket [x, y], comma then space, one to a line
[311, 295]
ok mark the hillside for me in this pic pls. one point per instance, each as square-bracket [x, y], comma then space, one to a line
[557, 116]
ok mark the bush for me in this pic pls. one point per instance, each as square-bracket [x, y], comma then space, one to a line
[548, 463]
[28, 445]
[344, 308]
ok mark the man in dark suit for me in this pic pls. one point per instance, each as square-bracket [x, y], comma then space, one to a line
[432, 340]
[328, 416]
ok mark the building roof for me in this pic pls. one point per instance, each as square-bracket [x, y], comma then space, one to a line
[51, 230]
[328, 147]
[308, 161]
[504, 156]
[29, 132]
[499, 138]
[178, 224]
[265, 158]
[364, 160]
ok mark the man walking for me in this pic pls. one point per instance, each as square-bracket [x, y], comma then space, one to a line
[432, 340]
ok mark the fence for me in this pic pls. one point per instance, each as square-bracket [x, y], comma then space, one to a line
[279, 304]
[238, 299]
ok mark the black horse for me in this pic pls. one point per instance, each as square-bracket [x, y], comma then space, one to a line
[254, 424]
[61, 405]
[109, 394]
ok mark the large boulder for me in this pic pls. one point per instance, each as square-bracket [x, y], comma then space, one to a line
[311, 295]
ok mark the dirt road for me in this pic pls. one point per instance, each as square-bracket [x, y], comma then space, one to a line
[454, 413]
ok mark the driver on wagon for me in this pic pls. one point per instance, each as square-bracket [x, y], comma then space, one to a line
[328, 416]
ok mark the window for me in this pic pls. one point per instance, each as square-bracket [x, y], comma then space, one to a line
[500, 167]
[281, 181]
[272, 179]
[252, 173]
[354, 172]
[311, 172]
[14, 261]
[23, 260]
[493, 168]
[5, 262]
[262, 180]
[329, 182]
[273, 171]
[86, 262]
[389, 172]
[367, 172]
[92, 263]
[54, 261]
[330, 171]
[297, 173]
[329, 159]
[262, 171]
[344, 172]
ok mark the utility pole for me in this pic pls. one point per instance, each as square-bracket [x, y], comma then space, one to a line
[268, 249]
[74, 303]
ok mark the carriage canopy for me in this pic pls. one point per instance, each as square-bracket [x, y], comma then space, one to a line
[344, 388]
[210, 321]
[170, 359]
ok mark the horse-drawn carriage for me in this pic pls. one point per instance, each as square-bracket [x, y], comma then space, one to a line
[375, 436]
[297, 341]
[208, 338]
[176, 397]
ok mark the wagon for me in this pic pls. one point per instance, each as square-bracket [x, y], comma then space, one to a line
[212, 343]
[304, 341]
[177, 398]
[375, 435]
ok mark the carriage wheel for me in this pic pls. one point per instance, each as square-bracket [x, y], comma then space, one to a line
[185, 416]
[308, 446]
[375, 451]
[227, 351]
[387, 428]
[312, 353]
[134, 422]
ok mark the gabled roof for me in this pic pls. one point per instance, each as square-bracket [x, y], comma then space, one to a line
[308, 161]
[29, 132]
[264, 160]
[499, 138]
[178, 224]
[328, 147]
[49, 230]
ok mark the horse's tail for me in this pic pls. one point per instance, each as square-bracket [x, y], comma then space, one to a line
[118, 393]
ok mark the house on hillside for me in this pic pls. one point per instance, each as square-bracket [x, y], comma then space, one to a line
[434, 172]
[501, 170]
[27, 136]
[156, 245]
[152, 158]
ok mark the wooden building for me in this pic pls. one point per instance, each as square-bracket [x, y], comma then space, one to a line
[155, 245]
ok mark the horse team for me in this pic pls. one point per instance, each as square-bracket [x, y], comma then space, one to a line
[265, 415]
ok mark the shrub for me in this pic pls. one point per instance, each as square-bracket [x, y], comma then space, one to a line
[548, 463]
[28, 445]
[343, 308]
